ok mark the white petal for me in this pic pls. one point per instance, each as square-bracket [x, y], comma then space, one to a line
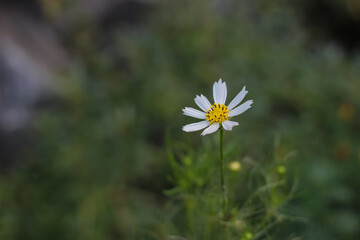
[224, 93]
[212, 128]
[238, 98]
[195, 126]
[221, 92]
[228, 125]
[192, 112]
[208, 105]
[201, 103]
[240, 109]
[217, 91]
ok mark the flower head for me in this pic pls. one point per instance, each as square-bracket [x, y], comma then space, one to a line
[218, 114]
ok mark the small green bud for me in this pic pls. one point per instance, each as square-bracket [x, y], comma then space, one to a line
[247, 236]
[281, 169]
[187, 161]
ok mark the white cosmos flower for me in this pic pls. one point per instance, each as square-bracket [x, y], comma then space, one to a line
[218, 114]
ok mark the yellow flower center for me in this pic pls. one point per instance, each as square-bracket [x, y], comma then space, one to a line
[217, 113]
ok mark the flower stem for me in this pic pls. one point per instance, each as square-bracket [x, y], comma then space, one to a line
[222, 171]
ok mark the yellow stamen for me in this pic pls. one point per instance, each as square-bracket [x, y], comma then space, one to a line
[217, 113]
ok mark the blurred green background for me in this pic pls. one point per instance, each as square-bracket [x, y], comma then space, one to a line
[91, 99]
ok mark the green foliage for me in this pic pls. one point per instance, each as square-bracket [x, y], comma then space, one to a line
[257, 194]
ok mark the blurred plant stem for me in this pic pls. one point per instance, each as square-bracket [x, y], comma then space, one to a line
[222, 172]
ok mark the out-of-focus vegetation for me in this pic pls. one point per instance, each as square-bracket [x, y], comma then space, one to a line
[110, 161]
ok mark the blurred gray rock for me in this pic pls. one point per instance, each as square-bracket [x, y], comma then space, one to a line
[29, 57]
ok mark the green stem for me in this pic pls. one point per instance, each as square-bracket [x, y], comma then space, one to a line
[222, 171]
